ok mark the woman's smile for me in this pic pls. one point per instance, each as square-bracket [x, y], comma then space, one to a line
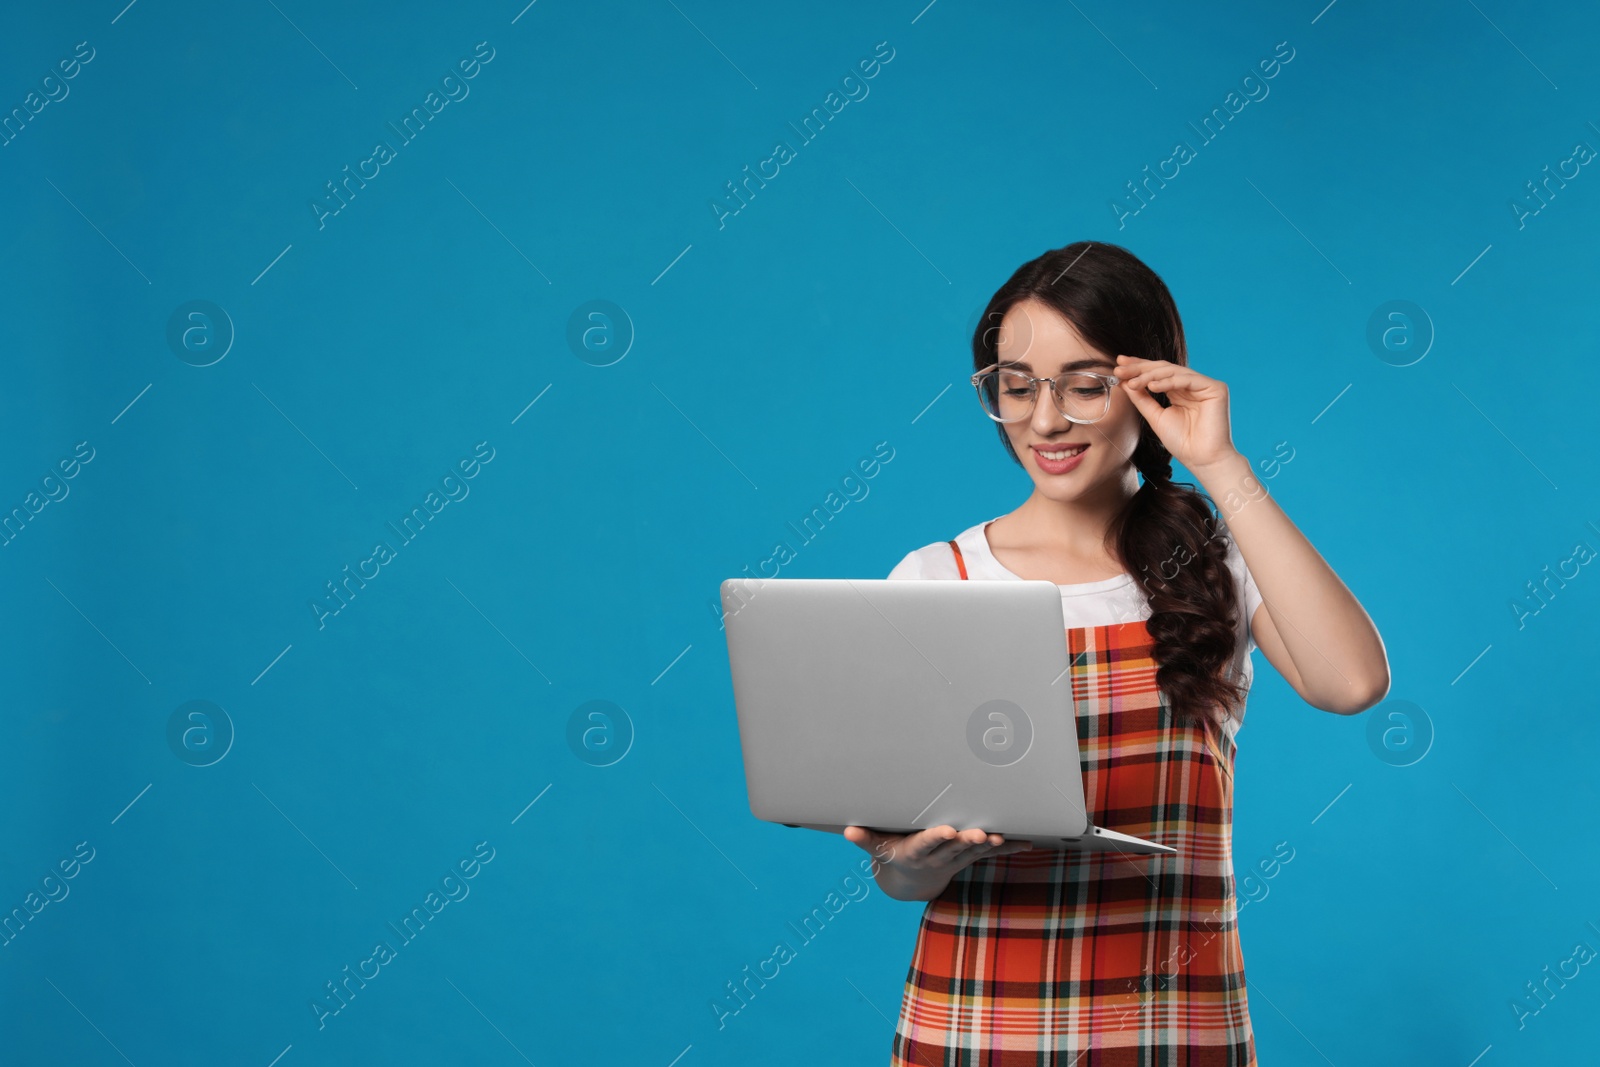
[1059, 459]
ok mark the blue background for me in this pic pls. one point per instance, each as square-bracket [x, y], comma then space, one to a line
[748, 366]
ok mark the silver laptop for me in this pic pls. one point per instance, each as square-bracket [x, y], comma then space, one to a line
[900, 705]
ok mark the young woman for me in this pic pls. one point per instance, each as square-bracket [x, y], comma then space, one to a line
[1097, 959]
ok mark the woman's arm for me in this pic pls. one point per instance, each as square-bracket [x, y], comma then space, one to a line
[1309, 625]
[1312, 629]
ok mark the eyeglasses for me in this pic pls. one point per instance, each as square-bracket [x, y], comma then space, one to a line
[1008, 395]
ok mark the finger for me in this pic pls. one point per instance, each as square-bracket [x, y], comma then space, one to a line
[1162, 372]
[1173, 375]
[1146, 404]
[919, 842]
[1174, 387]
[859, 836]
[1164, 366]
[946, 847]
[1177, 389]
[972, 842]
[879, 845]
[1168, 372]
[982, 846]
[956, 851]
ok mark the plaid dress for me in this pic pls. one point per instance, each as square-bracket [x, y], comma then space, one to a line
[1054, 958]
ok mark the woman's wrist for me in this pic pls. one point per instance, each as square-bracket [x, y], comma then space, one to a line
[1222, 473]
[911, 884]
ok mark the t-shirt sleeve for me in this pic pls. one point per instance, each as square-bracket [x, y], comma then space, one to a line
[1249, 595]
[929, 561]
[909, 567]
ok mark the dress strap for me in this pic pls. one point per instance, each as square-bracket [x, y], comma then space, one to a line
[961, 564]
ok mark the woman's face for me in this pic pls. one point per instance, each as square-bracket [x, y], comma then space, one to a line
[1037, 340]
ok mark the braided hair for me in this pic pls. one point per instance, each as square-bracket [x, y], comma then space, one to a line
[1167, 535]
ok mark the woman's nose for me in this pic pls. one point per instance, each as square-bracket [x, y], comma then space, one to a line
[1046, 415]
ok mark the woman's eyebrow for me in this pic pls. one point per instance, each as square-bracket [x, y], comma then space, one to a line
[1077, 364]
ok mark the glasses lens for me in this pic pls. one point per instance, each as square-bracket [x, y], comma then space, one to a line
[1006, 395]
[1083, 396]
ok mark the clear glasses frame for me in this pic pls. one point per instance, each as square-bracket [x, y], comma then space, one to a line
[978, 384]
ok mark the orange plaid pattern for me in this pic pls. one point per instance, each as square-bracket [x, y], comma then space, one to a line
[1096, 959]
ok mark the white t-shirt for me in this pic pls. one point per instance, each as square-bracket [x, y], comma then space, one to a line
[1111, 600]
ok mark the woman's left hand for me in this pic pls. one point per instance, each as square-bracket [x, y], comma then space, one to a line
[1195, 427]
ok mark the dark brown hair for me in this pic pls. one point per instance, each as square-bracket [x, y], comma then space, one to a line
[1117, 304]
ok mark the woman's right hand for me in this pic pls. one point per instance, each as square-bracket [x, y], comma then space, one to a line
[919, 865]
